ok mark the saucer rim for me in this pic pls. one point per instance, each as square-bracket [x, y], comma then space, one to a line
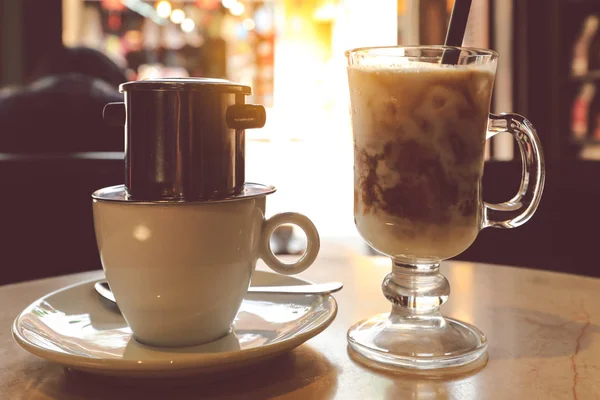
[198, 364]
[118, 194]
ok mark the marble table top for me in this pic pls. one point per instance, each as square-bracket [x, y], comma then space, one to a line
[543, 330]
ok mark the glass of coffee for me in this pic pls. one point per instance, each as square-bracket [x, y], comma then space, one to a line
[419, 128]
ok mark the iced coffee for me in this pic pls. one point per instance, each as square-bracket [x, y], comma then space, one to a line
[419, 136]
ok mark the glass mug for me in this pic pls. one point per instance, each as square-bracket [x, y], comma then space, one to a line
[419, 130]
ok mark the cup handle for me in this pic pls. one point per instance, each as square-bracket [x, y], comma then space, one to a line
[312, 246]
[522, 206]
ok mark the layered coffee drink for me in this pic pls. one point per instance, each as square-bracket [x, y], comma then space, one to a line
[419, 136]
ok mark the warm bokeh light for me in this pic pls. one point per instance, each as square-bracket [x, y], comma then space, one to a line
[326, 12]
[237, 9]
[188, 25]
[309, 116]
[249, 24]
[163, 9]
[177, 16]
[228, 3]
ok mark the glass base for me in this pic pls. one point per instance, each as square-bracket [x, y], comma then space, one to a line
[417, 342]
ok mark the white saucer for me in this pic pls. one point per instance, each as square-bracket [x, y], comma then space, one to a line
[77, 329]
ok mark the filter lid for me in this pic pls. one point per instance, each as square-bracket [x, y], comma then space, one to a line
[186, 84]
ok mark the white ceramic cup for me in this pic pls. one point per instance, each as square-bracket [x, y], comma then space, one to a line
[179, 271]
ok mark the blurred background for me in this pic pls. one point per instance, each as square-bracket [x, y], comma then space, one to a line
[61, 61]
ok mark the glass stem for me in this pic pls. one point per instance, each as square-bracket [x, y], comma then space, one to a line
[416, 292]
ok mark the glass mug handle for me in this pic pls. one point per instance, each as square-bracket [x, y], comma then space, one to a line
[312, 243]
[522, 206]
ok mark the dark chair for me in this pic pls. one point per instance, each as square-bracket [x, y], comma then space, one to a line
[46, 224]
[560, 236]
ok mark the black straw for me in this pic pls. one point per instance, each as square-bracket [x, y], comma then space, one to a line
[456, 30]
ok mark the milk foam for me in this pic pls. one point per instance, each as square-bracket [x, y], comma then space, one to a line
[401, 65]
